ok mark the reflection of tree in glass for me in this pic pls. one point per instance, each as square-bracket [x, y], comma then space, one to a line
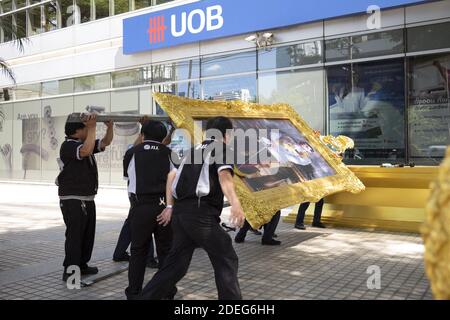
[101, 9]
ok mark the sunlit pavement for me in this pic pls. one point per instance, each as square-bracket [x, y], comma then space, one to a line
[312, 264]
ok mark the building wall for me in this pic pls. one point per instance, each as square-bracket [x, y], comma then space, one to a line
[33, 123]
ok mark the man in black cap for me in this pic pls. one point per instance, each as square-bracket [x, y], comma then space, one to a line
[77, 187]
[205, 175]
[147, 166]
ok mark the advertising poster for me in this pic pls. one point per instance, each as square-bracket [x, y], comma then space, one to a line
[366, 103]
[429, 107]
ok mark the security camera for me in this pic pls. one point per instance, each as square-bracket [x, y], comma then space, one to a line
[251, 38]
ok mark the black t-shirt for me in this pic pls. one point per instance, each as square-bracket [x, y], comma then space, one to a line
[146, 167]
[78, 176]
[197, 178]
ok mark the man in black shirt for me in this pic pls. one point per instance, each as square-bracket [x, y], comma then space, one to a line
[199, 186]
[77, 187]
[146, 166]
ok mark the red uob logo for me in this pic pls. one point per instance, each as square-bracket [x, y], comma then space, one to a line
[157, 29]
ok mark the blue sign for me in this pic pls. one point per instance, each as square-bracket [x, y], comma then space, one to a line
[211, 19]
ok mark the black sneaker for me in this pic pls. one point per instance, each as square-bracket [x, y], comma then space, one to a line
[270, 242]
[125, 257]
[239, 238]
[89, 270]
[300, 226]
[319, 225]
[152, 264]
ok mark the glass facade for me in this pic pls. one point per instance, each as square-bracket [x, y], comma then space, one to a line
[56, 14]
[373, 88]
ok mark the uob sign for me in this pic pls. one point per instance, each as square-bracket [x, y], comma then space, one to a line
[211, 19]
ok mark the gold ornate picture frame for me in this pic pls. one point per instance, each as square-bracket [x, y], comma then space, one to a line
[260, 206]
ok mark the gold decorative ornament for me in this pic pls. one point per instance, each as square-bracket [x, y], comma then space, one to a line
[436, 233]
[260, 206]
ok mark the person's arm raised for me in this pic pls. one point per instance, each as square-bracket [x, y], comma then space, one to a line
[89, 144]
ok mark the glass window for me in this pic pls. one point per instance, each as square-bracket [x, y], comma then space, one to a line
[27, 152]
[84, 7]
[6, 5]
[139, 4]
[337, 49]
[145, 101]
[367, 104]
[189, 89]
[20, 4]
[125, 133]
[227, 64]
[21, 24]
[290, 56]
[50, 16]
[377, 44]
[125, 101]
[128, 78]
[429, 108]
[101, 9]
[57, 87]
[121, 6]
[6, 143]
[35, 20]
[303, 90]
[6, 30]
[90, 83]
[429, 37]
[233, 88]
[27, 91]
[54, 116]
[100, 102]
[175, 71]
[161, 1]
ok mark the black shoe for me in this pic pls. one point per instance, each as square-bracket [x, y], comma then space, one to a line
[239, 238]
[152, 264]
[275, 235]
[270, 242]
[89, 270]
[125, 257]
[256, 232]
[319, 225]
[300, 226]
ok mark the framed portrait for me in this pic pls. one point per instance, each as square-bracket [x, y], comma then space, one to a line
[296, 167]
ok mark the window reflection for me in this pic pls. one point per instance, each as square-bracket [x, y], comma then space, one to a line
[366, 103]
[227, 64]
[302, 89]
[233, 88]
[290, 56]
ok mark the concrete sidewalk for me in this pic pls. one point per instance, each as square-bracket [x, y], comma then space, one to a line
[312, 264]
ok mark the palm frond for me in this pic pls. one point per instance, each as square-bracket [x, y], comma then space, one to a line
[18, 34]
[6, 70]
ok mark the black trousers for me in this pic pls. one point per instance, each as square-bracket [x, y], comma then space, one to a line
[192, 230]
[125, 239]
[269, 228]
[79, 217]
[143, 224]
[317, 212]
